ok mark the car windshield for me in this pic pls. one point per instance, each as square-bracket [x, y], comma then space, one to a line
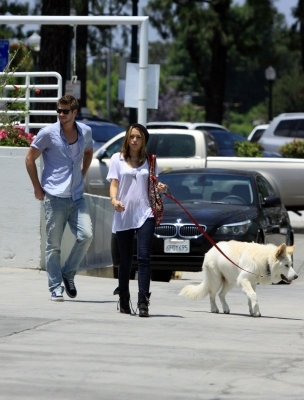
[223, 188]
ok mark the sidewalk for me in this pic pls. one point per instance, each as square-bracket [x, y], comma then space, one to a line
[84, 349]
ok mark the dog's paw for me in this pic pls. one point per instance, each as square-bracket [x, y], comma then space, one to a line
[215, 310]
[255, 311]
[226, 311]
[256, 314]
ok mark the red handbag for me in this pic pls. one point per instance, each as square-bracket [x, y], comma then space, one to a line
[156, 202]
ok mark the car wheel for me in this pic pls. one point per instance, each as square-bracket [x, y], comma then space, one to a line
[161, 276]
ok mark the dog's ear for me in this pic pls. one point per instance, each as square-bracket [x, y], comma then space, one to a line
[290, 249]
[281, 251]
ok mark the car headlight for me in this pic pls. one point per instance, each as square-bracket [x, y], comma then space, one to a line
[239, 228]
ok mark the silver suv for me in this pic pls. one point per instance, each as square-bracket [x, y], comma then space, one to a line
[283, 129]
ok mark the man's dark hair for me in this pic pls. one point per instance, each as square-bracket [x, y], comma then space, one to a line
[69, 100]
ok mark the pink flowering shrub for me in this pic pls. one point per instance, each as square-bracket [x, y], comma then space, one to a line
[15, 136]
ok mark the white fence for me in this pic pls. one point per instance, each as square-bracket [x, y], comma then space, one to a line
[30, 86]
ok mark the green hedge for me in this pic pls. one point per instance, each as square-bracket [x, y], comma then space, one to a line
[248, 149]
[294, 149]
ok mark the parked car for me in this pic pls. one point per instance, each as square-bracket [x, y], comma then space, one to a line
[227, 204]
[209, 126]
[283, 129]
[175, 148]
[102, 132]
[225, 142]
[257, 132]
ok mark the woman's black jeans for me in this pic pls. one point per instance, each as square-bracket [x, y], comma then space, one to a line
[144, 244]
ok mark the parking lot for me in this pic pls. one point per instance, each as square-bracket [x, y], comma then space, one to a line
[85, 349]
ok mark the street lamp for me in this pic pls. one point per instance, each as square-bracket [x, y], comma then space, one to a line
[34, 43]
[270, 75]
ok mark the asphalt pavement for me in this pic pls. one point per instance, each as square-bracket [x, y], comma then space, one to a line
[84, 349]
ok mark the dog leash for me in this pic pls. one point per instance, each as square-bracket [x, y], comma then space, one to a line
[170, 196]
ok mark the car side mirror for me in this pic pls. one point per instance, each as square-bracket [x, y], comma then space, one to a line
[271, 201]
[102, 154]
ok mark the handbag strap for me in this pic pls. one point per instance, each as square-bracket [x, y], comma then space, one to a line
[152, 161]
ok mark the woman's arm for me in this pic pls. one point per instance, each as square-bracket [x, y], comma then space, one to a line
[118, 205]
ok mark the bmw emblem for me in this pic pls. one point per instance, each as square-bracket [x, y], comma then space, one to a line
[179, 220]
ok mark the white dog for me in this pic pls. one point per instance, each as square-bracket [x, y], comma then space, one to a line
[266, 264]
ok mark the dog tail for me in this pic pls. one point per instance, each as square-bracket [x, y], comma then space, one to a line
[195, 292]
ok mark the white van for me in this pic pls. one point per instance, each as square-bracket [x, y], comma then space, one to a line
[283, 129]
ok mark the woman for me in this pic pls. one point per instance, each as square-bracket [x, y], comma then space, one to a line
[129, 176]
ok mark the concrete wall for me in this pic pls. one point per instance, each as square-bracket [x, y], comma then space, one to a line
[22, 225]
[20, 238]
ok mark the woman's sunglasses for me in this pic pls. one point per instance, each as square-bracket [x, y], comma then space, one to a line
[65, 112]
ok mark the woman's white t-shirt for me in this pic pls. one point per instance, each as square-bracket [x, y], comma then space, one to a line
[132, 192]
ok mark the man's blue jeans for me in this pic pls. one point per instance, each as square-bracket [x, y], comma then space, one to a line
[58, 212]
[125, 239]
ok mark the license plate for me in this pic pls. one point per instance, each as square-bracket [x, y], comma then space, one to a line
[176, 246]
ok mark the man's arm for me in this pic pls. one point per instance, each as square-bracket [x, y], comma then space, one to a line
[30, 162]
[87, 159]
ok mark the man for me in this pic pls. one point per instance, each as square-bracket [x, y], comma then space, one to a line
[67, 151]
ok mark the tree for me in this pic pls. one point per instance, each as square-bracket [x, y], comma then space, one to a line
[82, 8]
[298, 13]
[54, 52]
[208, 31]
[11, 7]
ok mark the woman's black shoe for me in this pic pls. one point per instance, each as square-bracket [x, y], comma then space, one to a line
[124, 302]
[143, 304]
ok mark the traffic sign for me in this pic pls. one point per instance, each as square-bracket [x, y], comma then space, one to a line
[4, 54]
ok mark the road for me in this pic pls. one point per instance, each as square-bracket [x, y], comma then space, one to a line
[83, 349]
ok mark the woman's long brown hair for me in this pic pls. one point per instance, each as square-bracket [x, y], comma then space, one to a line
[125, 149]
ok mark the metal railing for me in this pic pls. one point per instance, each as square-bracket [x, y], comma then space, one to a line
[28, 99]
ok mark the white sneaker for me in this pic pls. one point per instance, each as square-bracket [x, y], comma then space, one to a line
[57, 294]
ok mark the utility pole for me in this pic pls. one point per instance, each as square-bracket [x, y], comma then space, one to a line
[134, 56]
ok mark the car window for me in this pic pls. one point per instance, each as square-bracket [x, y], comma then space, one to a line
[300, 128]
[257, 135]
[174, 146]
[264, 188]
[114, 147]
[210, 187]
[286, 128]
[211, 145]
